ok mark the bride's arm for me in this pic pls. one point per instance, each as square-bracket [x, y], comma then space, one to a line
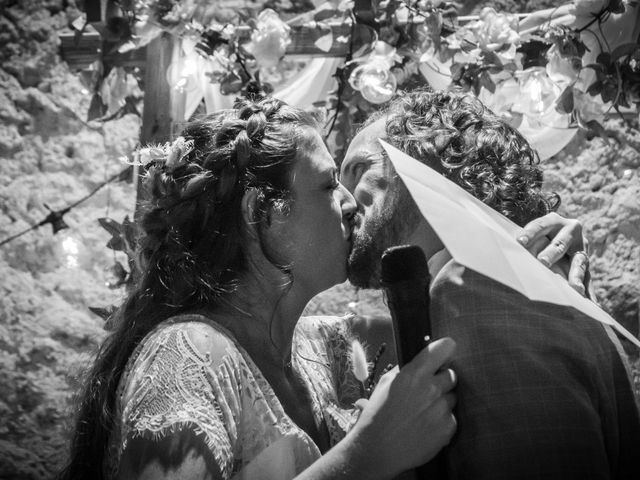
[405, 423]
[180, 456]
[407, 420]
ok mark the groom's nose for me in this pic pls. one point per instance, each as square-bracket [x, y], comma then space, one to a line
[348, 204]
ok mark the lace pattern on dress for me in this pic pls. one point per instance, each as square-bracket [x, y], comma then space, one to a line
[173, 387]
[322, 353]
[217, 391]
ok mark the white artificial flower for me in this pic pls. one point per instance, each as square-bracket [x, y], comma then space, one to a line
[562, 70]
[269, 40]
[588, 107]
[538, 93]
[494, 30]
[177, 151]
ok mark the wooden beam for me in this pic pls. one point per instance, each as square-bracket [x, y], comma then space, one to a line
[80, 52]
[159, 102]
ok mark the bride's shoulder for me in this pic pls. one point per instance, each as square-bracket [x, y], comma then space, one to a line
[193, 335]
[324, 325]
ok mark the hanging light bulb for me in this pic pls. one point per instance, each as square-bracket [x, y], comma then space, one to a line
[373, 77]
[181, 74]
[375, 81]
[538, 92]
[71, 249]
[55, 219]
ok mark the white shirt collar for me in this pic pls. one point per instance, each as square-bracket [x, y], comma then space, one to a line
[437, 261]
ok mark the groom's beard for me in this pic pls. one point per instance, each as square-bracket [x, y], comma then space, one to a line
[392, 226]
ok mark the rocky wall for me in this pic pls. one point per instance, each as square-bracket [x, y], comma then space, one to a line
[49, 154]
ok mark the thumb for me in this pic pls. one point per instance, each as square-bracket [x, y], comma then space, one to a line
[361, 403]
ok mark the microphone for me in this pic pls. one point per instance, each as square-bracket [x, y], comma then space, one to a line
[405, 279]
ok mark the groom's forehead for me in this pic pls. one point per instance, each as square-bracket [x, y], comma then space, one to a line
[365, 145]
[367, 138]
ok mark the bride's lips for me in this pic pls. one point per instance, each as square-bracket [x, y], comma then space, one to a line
[354, 224]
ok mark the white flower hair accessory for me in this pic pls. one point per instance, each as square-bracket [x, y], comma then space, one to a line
[171, 154]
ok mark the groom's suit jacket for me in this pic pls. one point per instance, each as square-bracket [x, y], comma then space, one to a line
[542, 390]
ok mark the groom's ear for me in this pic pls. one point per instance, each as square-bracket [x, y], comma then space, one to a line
[249, 210]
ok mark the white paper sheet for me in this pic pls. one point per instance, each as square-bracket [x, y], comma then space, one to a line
[483, 240]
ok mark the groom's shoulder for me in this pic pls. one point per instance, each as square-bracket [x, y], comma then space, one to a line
[456, 279]
[463, 300]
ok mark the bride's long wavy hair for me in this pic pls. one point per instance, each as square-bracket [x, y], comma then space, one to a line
[193, 247]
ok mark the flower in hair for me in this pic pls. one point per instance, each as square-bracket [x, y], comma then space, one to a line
[178, 152]
[170, 155]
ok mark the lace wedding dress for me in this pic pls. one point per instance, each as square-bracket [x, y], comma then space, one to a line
[190, 373]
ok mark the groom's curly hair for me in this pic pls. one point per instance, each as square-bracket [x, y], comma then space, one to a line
[456, 135]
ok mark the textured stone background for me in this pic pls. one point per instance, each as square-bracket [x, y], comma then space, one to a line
[50, 154]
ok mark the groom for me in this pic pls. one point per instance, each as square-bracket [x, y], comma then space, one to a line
[542, 390]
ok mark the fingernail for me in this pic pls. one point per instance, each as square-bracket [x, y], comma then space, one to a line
[523, 239]
[544, 261]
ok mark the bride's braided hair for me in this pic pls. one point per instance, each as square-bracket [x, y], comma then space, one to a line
[193, 223]
[193, 246]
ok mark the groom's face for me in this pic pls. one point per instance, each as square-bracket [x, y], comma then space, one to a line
[383, 204]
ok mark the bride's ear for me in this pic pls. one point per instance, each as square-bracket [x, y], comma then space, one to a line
[249, 210]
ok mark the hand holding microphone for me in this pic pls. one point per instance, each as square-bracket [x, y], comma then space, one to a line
[405, 278]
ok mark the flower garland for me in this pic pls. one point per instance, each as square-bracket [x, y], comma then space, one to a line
[523, 75]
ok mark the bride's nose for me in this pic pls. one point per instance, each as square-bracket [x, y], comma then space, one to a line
[348, 203]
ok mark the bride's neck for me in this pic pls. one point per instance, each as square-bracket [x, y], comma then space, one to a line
[262, 316]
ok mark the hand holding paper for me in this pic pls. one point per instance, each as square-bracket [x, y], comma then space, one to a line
[483, 240]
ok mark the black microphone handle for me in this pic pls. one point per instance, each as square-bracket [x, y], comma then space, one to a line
[408, 302]
[409, 307]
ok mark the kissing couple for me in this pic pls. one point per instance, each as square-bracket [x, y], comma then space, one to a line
[211, 372]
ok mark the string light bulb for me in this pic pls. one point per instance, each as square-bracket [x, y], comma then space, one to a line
[373, 77]
[55, 218]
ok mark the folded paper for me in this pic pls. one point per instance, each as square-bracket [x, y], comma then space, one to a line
[483, 240]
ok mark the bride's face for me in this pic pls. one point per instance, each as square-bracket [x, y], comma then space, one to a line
[314, 238]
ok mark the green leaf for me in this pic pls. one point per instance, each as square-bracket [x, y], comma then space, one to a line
[487, 82]
[326, 14]
[604, 58]
[595, 88]
[491, 58]
[595, 66]
[97, 108]
[231, 83]
[624, 50]
[564, 104]
[616, 6]
[608, 92]
[322, 37]
[534, 53]
[104, 312]
[362, 40]
[110, 225]
[457, 71]
[595, 129]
